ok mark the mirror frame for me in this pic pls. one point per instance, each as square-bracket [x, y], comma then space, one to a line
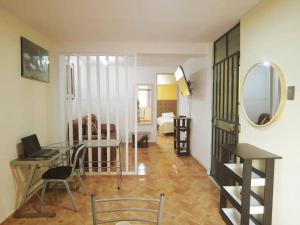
[152, 103]
[283, 98]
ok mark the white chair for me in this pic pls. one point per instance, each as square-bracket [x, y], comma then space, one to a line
[123, 223]
[157, 212]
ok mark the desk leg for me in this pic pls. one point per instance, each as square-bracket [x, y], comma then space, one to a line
[83, 170]
[28, 184]
[81, 164]
[26, 196]
[120, 177]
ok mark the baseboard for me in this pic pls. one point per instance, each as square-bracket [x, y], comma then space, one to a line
[9, 217]
[208, 171]
[201, 163]
[213, 180]
[149, 141]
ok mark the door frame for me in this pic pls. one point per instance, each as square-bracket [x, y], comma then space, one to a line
[236, 126]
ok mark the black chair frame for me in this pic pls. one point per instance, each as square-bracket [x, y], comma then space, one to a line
[76, 167]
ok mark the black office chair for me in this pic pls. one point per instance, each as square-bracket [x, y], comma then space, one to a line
[64, 173]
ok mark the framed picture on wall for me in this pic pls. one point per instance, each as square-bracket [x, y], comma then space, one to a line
[34, 61]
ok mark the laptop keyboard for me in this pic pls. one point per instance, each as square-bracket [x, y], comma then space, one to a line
[47, 153]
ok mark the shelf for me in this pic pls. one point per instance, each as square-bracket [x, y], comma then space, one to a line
[182, 135]
[181, 128]
[235, 193]
[181, 141]
[247, 151]
[237, 169]
[248, 207]
[233, 216]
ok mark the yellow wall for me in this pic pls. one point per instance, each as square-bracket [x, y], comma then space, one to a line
[270, 32]
[166, 92]
[24, 103]
[166, 79]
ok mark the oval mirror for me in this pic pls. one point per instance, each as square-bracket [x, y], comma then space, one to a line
[263, 94]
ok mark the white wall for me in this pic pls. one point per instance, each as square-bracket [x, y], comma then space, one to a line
[24, 103]
[141, 75]
[198, 71]
[152, 58]
[270, 32]
[113, 103]
[112, 48]
[166, 79]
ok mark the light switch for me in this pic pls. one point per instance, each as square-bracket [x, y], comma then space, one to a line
[291, 93]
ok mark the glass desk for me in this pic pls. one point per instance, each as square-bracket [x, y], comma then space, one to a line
[33, 186]
[113, 143]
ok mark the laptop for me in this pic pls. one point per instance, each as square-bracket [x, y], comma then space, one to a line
[33, 149]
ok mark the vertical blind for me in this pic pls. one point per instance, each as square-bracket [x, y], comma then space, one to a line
[97, 93]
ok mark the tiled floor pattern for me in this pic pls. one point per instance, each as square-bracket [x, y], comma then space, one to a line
[191, 197]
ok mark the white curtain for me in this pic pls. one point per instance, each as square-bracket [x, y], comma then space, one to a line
[102, 86]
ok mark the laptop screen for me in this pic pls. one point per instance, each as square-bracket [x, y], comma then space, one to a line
[31, 145]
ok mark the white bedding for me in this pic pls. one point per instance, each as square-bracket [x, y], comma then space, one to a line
[166, 124]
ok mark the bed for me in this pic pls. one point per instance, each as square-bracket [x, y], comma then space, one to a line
[166, 123]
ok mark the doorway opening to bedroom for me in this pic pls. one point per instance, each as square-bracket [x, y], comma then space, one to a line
[167, 106]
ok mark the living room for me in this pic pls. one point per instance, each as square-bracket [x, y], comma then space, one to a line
[151, 42]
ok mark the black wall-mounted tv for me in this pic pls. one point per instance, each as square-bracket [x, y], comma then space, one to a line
[183, 84]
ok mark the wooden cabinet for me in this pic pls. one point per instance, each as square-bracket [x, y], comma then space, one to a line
[248, 190]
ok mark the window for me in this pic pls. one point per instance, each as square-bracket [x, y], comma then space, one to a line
[227, 45]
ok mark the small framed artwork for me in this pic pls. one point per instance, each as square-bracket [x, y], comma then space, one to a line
[34, 61]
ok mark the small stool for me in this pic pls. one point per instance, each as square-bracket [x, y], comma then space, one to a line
[142, 139]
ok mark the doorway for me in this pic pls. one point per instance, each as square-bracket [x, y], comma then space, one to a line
[167, 103]
[225, 114]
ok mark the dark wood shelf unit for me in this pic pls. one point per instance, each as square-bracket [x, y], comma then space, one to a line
[182, 135]
[247, 151]
[240, 183]
[239, 178]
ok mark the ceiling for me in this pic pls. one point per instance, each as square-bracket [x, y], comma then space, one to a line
[162, 60]
[130, 20]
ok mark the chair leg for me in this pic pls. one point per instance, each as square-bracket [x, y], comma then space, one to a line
[70, 195]
[81, 181]
[42, 199]
[82, 168]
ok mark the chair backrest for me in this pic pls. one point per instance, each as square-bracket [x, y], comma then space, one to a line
[77, 157]
[139, 212]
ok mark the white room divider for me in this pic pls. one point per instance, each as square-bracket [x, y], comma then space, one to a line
[97, 95]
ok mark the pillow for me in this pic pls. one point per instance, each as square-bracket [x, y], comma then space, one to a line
[168, 114]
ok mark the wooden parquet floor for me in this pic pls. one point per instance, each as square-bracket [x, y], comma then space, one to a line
[191, 197]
